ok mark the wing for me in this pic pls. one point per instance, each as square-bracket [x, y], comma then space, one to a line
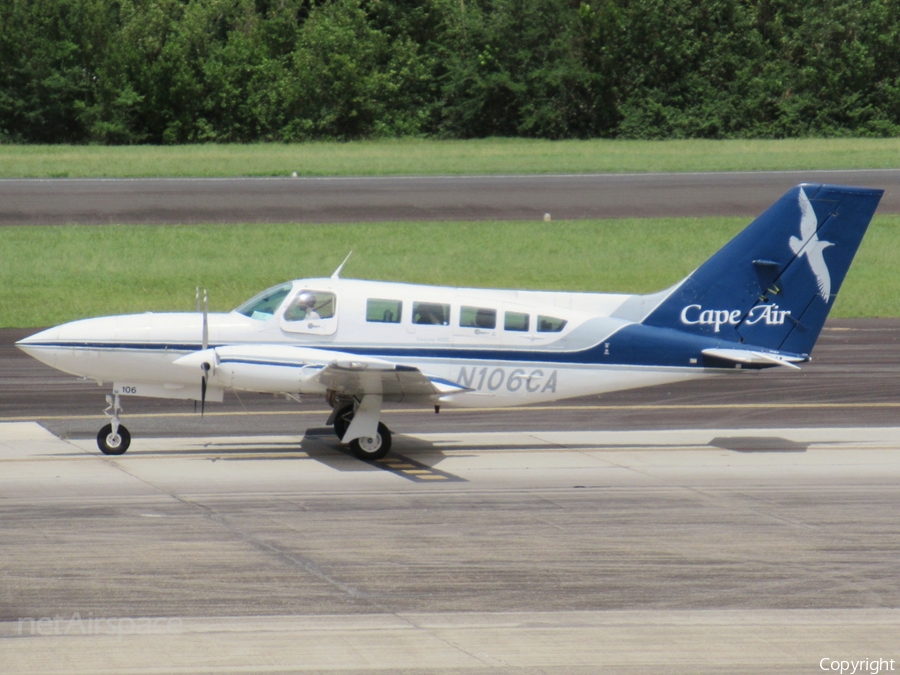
[808, 221]
[290, 369]
[398, 383]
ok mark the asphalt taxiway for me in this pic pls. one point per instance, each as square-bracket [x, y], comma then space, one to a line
[326, 200]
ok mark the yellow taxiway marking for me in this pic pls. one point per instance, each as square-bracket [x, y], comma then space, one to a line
[595, 408]
[412, 470]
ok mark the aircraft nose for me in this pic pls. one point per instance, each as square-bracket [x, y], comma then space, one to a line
[47, 335]
[41, 346]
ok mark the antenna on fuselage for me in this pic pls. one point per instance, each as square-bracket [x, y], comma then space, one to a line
[337, 272]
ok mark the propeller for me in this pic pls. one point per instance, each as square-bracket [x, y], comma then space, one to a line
[205, 319]
[204, 341]
[205, 368]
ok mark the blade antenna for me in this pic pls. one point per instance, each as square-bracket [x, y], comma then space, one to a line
[337, 272]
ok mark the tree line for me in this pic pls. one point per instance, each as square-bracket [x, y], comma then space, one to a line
[188, 71]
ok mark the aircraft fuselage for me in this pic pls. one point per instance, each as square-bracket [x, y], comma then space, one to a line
[502, 348]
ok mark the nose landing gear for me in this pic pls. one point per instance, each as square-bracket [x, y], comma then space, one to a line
[114, 438]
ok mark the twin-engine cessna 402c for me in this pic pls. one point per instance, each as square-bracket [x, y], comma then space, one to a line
[759, 302]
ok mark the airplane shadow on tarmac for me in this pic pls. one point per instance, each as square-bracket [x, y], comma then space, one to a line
[321, 445]
[758, 444]
[417, 459]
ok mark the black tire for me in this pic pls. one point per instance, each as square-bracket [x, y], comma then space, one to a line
[113, 445]
[342, 421]
[370, 449]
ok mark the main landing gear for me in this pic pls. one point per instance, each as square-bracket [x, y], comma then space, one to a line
[365, 445]
[114, 438]
[356, 422]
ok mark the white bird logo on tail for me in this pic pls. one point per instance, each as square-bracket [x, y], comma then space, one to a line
[810, 245]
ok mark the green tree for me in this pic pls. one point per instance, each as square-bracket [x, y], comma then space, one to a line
[51, 63]
[352, 80]
[520, 68]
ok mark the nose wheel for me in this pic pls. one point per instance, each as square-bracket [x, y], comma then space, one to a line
[113, 443]
[114, 438]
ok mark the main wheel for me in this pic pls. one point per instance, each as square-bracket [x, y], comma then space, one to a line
[113, 444]
[342, 421]
[371, 449]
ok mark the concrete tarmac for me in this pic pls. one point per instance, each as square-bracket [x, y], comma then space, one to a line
[692, 551]
[325, 200]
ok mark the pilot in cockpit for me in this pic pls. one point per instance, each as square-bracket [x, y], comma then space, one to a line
[303, 308]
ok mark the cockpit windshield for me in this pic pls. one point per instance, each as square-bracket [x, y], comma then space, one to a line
[262, 307]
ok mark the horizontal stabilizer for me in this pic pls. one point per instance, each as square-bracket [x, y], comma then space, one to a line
[754, 358]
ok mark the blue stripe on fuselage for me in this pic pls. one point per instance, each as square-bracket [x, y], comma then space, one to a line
[634, 344]
[139, 346]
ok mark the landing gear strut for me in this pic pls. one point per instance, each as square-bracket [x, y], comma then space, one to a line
[114, 438]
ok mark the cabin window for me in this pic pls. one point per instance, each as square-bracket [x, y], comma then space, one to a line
[311, 305]
[477, 317]
[431, 313]
[384, 311]
[516, 321]
[262, 307]
[550, 324]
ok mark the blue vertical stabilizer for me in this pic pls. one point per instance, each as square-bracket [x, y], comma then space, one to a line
[773, 285]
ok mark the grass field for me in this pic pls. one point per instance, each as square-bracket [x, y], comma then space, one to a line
[53, 274]
[426, 157]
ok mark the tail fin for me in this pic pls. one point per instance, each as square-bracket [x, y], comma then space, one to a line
[773, 285]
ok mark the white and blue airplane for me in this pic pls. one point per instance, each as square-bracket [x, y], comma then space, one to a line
[759, 302]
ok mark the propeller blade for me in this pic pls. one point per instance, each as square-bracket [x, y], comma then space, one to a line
[205, 319]
[205, 368]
